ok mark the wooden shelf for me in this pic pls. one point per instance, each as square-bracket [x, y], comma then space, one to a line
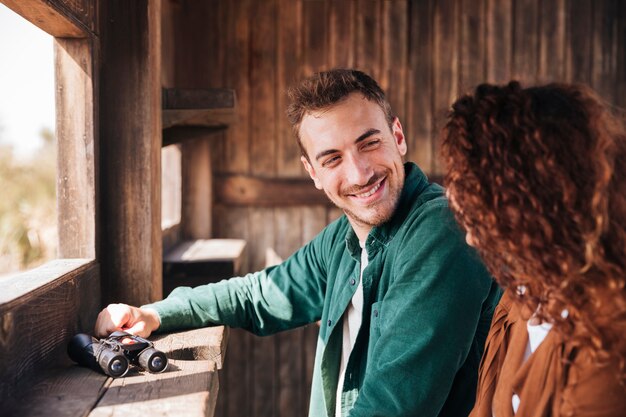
[201, 108]
[196, 262]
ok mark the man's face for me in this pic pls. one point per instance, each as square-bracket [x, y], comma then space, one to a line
[356, 159]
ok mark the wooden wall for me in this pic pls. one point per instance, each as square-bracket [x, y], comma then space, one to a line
[424, 53]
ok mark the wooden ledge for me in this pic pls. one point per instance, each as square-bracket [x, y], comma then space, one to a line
[188, 387]
[196, 262]
[208, 108]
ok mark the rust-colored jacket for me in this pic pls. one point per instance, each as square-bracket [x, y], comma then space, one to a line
[557, 380]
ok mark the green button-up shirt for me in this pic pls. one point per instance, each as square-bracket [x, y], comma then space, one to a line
[427, 308]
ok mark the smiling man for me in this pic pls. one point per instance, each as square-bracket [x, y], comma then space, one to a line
[404, 303]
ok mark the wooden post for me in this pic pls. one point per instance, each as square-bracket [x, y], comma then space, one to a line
[76, 185]
[130, 134]
[197, 189]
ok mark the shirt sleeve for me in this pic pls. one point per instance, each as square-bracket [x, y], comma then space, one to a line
[277, 298]
[427, 320]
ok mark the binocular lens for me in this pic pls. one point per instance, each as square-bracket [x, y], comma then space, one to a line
[153, 360]
[113, 363]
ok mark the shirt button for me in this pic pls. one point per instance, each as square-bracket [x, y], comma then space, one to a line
[352, 281]
[329, 323]
[375, 313]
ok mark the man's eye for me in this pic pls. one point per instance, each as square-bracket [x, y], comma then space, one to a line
[371, 143]
[330, 162]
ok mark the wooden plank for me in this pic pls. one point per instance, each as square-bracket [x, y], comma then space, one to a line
[605, 48]
[578, 46]
[130, 152]
[206, 344]
[242, 190]
[263, 360]
[202, 250]
[213, 118]
[200, 98]
[36, 282]
[53, 17]
[238, 64]
[315, 33]
[472, 44]
[197, 189]
[235, 379]
[620, 84]
[76, 152]
[419, 125]
[288, 239]
[368, 29]
[36, 324]
[526, 40]
[395, 56]
[445, 69]
[67, 391]
[263, 127]
[189, 389]
[288, 65]
[499, 40]
[552, 41]
[202, 261]
[314, 220]
[341, 34]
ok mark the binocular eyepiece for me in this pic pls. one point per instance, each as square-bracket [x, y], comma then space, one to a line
[114, 354]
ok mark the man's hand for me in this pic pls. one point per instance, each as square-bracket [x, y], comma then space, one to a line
[134, 320]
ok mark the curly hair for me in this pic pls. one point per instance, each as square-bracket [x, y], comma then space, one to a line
[537, 177]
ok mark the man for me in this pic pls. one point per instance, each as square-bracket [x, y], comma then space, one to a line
[404, 303]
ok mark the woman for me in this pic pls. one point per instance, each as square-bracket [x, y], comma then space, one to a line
[537, 178]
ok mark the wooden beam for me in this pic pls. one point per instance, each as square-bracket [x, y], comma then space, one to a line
[197, 183]
[243, 190]
[178, 134]
[39, 310]
[51, 16]
[76, 181]
[130, 152]
[212, 108]
[214, 98]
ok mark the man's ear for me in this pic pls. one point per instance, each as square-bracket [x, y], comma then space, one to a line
[309, 168]
[398, 135]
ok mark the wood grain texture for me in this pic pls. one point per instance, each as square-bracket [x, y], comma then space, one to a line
[526, 40]
[197, 189]
[130, 134]
[472, 48]
[419, 123]
[188, 386]
[499, 38]
[446, 70]
[243, 190]
[76, 151]
[35, 324]
[578, 47]
[55, 17]
[551, 41]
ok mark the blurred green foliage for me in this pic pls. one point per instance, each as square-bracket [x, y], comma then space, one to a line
[28, 232]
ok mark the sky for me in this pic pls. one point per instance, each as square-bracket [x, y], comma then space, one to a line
[26, 83]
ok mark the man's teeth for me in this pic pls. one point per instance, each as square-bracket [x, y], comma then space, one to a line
[370, 192]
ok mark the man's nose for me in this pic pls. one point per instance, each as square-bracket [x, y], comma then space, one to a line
[358, 170]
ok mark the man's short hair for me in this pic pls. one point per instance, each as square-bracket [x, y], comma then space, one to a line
[325, 89]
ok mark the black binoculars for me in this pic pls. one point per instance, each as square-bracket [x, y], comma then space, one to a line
[114, 354]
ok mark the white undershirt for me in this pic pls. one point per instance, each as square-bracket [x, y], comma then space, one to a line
[351, 324]
[536, 334]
